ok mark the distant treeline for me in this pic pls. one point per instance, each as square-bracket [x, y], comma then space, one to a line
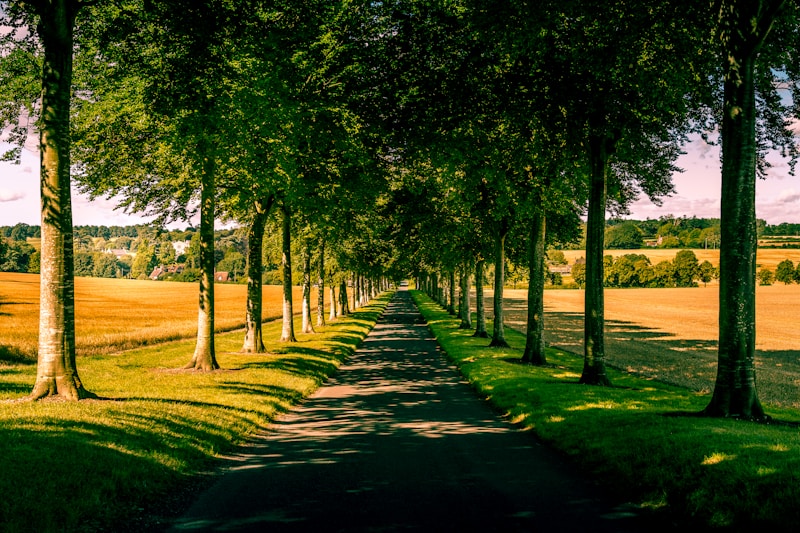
[141, 251]
[681, 232]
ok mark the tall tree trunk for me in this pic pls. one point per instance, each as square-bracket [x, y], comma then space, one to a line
[345, 310]
[321, 285]
[287, 332]
[534, 337]
[253, 339]
[465, 312]
[498, 329]
[307, 327]
[56, 371]
[204, 357]
[451, 300]
[745, 26]
[594, 369]
[332, 315]
[480, 307]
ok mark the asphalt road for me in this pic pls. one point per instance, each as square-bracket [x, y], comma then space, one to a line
[397, 441]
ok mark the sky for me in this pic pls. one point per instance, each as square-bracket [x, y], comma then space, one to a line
[697, 194]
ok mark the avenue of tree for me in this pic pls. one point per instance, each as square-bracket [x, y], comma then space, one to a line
[407, 138]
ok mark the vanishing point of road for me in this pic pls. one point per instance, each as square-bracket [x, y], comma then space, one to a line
[398, 441]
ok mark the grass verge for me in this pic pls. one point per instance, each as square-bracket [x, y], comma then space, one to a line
[636, 437]
[126, 463]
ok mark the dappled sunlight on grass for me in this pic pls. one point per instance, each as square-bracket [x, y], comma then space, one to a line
[90, 465]
[638, 436]
[717, 458]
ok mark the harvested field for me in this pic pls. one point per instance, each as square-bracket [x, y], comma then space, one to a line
[671, 334]
[117, 314]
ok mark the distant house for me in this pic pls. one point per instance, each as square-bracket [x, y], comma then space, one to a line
[162, 270]
[176, 268]
[120, 252]
[221, 276]
[561, 269]
[181, 247]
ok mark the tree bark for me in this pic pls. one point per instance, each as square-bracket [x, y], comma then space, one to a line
[451, 299]
[204, 357]
[306, 314]
[287, 332]
[253, 339]
[56, 371]
[480, 308]
[345, 309]
[465, 312]
[321, 285]
[745, 26]
[594, 370]
[534, 338]
[498, 329]
[332, 315]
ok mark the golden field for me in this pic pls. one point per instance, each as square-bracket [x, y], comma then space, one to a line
[766, 257]
[671, 334]
[116, 314]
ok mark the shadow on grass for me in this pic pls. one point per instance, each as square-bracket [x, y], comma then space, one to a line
[9, 354]
[317, 364]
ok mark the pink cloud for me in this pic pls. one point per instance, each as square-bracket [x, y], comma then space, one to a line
[11, 196]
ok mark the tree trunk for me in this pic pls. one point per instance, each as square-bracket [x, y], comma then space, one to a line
[204, 357]
[332, 315]
[465, 312]
[307, 327]
[345, 310]
[594, 370]
[534, 337]
[480, 308]
[321, 285]
[56, 371]
[735, 386]
[451, 299]
[253, 339]
[287, 332]
[498, 330]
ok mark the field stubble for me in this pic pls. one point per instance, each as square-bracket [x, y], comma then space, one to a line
[671, 334]
[112, 315]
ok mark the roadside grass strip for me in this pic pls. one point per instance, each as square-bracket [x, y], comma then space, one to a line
[640, 438]
[127, 461]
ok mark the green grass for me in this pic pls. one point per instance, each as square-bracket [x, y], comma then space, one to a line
[638, 438]
[113, 464]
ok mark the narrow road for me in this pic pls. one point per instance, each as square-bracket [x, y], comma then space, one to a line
[397, 441]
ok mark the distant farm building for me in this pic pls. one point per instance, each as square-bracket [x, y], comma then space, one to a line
[221, 276]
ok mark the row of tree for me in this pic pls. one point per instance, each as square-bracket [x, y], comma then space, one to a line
[636, 270]
[407, 137]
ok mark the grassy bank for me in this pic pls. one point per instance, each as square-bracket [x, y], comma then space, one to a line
[637, 438]
[121, 463]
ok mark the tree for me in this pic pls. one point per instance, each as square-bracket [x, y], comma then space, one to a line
[578, 273]
[625, 236]
[742, 29]
[785, 272]
[55, 29]
[287, 331]
[707, 272]
[686, 268]
[765, 276]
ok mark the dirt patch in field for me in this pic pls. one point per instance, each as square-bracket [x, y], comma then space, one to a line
[671, 339]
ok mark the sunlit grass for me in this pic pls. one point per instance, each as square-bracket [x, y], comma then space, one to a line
[639, 437]
[92, 465]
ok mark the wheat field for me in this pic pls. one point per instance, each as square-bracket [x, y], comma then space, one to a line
[671, 334]
[116, 314]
